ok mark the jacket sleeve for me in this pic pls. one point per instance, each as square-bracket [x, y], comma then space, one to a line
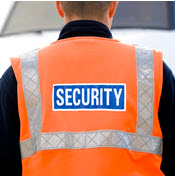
[167, 121]
[10, 158]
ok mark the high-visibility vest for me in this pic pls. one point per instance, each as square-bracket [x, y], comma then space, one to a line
[89, 106]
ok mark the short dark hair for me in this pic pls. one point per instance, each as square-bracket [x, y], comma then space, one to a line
[85, 8]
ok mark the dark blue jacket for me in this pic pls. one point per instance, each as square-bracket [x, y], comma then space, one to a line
[10, 159]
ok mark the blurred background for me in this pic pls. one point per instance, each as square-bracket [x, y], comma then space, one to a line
[27, 25]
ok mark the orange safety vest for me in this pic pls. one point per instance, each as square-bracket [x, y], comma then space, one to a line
[89, 106]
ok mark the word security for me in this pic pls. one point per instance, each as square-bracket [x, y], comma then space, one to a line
[89, 97]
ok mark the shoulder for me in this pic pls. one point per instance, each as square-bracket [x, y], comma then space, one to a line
[167, 74]
[8, 84]
[166, 106]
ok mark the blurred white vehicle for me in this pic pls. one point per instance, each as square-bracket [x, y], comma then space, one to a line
[15, 45]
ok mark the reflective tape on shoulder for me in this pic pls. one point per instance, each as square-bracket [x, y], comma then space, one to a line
[145, 90]
[32, 96]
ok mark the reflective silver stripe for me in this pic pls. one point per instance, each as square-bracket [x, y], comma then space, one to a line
[31, 88]
[142, 141]
[145, 90]
[28, 147]
[93, 139]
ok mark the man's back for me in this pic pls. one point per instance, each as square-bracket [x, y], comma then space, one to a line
[89, 105]
[90, 31]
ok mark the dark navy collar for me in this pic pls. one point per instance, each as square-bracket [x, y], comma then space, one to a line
[85, 28]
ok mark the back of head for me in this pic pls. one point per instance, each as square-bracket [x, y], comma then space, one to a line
[85, 9]
[102, 11]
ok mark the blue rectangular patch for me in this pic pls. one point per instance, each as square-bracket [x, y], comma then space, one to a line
[73, 97]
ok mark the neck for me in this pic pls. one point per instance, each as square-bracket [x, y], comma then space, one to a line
[105, 21]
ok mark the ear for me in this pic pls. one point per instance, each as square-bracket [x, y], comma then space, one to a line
[59, 8]
[112, 8]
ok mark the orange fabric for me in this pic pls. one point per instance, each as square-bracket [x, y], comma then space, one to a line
[95, 162]
[90, 60]
[158, 81]
[87, 64]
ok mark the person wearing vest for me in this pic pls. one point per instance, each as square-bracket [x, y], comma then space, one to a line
[89, 105]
